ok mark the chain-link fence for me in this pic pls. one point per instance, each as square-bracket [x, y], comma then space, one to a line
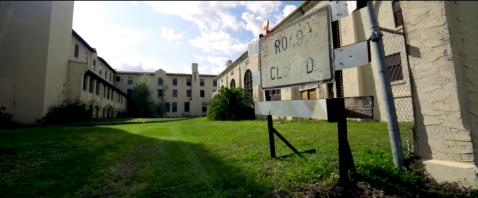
[399, 74]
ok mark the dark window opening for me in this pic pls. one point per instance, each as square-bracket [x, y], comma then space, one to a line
[394, 66]
[202, 93]
[201, 82]
[397, 13]
[175, 93]
[188, 82]
[175, 81]
[188, 93]
[160, 92]
[273, 95]
[330, 88]
[214, 83]
[91, 85]
[85, 79]
[94, 64]
[160, 81]
[118, 78]
[130, 80]
[77, 50]
[204, 107]
[248, 81]
[175, 107]
[186, 107]
[233, 83]
[97, 88]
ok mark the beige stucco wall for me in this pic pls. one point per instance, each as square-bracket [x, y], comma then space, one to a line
[26, 39]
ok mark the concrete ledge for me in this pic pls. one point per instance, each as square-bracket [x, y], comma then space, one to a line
[441, 171]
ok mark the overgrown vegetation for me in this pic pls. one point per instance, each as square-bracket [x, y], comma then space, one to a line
[141, 103]
[231, 104]
[70, 110]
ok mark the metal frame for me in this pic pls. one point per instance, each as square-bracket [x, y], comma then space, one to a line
[331, 61]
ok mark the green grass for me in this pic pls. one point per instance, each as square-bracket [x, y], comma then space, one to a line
[189, 158]
[98, 120]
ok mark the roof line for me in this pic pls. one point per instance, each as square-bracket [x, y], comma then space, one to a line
[83, 41]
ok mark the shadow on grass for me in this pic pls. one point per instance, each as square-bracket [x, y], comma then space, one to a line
[100, 161]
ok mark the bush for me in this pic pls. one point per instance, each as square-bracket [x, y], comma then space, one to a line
[6, 119]
[231, 104]
[71, 110]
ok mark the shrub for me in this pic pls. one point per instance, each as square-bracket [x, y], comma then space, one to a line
[71, 110]
[6, 119]
[231, 104]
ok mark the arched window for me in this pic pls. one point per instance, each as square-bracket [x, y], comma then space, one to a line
[233, 83]
[248, 81]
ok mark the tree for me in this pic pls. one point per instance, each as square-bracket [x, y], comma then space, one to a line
[162, 105]
[141, 101]
[231, 104]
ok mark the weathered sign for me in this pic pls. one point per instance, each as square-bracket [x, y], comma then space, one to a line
[355, 107]
[298, 54]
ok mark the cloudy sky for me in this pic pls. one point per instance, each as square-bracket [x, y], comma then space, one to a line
[146, 36]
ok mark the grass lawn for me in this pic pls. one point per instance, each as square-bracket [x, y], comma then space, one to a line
[188, 158]
[97, 120]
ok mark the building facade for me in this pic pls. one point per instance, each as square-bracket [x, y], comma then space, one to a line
[431, 58]
[43, 61]
[184, 94]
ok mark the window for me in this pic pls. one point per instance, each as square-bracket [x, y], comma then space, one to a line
[175, 107]
[130, 92]
[100, 69]
[248, 81]
[394, 66]
[118, 78]
[90, 89]
[77, 50]
[94, 64]
[104, 92]
[188, 82]
[175, 93]
[233, 83]
[308, 94]
[188, 93]
[86, 57]
[85, 79]
[167, 106]
[130, 80]
[186, 107]
[273, 95]
[160, 81]
[201, 82]
[330, 88]
[247, 61]
[397, 14]
[232, 72]
[97, 88]
[214, 83]
[202, 93]
[204, 106]
[160, 92]
[175, 81]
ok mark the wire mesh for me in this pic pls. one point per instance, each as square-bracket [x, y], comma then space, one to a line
[399, 74]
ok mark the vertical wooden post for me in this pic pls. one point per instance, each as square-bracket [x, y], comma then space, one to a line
[271, 136]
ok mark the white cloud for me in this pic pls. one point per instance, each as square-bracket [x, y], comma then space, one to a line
[187, 69]
[285, 12]
[218, 41]
[202, 69]
[135, 3]
[253, 23]
[217, 70]
[220, 61]
[288, 9]
[200, 58]
[169, 35]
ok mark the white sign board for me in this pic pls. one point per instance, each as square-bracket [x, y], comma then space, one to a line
[298, 54]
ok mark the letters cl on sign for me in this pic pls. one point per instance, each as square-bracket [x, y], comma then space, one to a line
[298, 54]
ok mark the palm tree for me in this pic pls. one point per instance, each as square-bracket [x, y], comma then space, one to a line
[231, 104]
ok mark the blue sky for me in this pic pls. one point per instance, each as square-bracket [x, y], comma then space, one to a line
[147, 36]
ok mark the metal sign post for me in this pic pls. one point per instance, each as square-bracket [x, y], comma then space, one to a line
[308, 52]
